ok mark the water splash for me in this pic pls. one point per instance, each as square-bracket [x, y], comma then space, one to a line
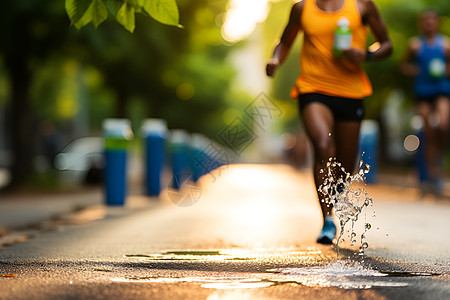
[346, 193]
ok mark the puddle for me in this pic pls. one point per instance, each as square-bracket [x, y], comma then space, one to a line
[206, 282]
[340, 274]
[337, 268]
[344, 274]
[238, 285]
[409, 274]
[230, 255]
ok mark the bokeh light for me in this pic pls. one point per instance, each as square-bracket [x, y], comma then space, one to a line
[185, 91]
[242, 17]
[411, 143]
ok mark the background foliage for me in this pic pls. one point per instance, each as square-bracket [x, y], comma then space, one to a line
[65, 65]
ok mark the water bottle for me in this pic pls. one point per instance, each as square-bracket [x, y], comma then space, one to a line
[342, 36]
[436, 68]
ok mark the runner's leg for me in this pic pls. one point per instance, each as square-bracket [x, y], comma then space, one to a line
[347, 144]
[425, 110]
[442, 110]
[318, 121]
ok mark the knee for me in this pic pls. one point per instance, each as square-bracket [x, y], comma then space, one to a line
[325, 148]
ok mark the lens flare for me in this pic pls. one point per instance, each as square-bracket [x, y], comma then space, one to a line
[411, 143]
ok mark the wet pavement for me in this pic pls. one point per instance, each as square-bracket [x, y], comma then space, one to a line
[247, 232]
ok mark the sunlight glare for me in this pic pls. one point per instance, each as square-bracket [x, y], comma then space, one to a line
[242, 17]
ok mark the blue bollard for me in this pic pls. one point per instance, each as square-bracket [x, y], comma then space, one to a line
[369, 148]
[154, 132]
[179, 146]
[117, 133]
[200, 162]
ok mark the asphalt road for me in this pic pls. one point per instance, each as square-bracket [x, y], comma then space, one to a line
[248, 232]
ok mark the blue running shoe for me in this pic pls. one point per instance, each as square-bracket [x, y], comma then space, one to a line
[328, 232]
[340, 187]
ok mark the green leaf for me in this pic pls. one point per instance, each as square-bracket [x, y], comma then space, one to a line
[83, 12]
[125, 16]
[95, 13]
[113, 6]
[163, 11]
[76, 9]
[136, 3]
[99, 12]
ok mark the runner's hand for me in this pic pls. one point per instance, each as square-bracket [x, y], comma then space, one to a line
[271, 67]
[355, 55]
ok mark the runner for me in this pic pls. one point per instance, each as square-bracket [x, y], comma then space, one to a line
[426, 59]
[332, 84]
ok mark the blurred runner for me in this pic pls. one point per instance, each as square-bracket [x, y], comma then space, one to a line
[427, 59]
[332, 83]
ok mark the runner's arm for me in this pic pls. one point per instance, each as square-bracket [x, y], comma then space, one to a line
[373, 19]
[290, 33]
[447, 56]
[408, 67]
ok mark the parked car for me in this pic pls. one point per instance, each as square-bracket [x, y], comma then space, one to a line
[82, 160]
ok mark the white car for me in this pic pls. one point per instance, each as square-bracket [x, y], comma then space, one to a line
[82, 159]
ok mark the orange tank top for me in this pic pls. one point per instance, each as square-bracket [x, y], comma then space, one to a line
[320, 70]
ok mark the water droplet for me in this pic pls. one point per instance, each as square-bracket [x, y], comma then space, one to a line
[368, 226]
[365, 245]
[366, 169]
[329, 133]
[347, 176]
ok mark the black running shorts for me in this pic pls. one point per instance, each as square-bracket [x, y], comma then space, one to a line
[343, 109]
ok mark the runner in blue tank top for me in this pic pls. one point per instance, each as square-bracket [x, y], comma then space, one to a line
[431, 81]
[427, 58]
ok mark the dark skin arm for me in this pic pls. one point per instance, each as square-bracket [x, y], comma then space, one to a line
[287, 39]
[408, 67]
[447, 53]
[368, 11]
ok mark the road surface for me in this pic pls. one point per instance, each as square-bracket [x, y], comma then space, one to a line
[247, 232]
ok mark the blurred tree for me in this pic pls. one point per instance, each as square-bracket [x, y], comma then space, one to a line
[30, 31]
[167, 72]
[159, 71]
